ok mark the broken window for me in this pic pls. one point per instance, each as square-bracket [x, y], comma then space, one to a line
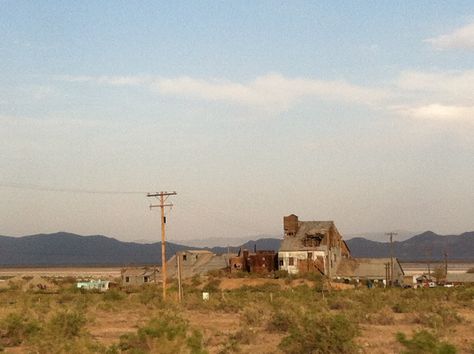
[291, 261]
[313, 240]
[127, 279]
[281, 263]
[145, 279]
[310, 255]
[184, 257]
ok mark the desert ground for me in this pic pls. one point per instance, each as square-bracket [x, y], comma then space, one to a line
[243, 314]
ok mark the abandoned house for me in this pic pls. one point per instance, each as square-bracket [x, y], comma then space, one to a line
[139, 276]
[257, 262]
[195, 262]
[311, 246]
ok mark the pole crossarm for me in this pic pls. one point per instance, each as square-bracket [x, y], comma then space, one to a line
[160, 194]
[159, 205]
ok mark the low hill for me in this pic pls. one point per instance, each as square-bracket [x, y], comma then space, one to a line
[70, 249]
[425, 246]
[66, 249]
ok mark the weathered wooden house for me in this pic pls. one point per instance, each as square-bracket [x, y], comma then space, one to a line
[311, 246]
[194, 262]
[139, 276]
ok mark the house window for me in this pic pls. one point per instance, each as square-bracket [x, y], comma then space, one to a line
[281, 263]
[310, 255]
[145, 279]
[291, 261]
[127, 279]
[184, 257]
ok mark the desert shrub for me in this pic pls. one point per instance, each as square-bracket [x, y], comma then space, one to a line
[244, 336]
[441, 318]
[166, 334]
[67, 324]
[400, 307]
[384, 317]
[281, 321]
[196, 280]
[212, 285]
[254, 315]
[113, 295]
[216, 273]
[15, 328]
[281, 273]
[339, 303]
[321, 334]
[150, 295]
[465, 294]
[424, 342]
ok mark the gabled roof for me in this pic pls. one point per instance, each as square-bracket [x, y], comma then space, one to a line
[305, 228]
[198, 251]
[138, 272]
[366, 267]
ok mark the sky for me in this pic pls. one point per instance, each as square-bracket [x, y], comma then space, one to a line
[357, 112]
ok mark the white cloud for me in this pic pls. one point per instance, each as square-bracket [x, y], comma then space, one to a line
[445, 96]
[461, 38]
[441, 112]
[452, 88]
[273, 92]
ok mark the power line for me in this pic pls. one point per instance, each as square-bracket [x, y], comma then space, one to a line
[64, 190]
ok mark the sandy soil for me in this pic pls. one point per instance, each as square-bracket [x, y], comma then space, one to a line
[61, 272]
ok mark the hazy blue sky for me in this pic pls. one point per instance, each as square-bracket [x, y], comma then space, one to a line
[358, 112]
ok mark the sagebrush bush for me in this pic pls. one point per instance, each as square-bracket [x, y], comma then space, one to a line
[114, 295]
[168, 333]
[439, 319]
[322, 334]
[16, 328]
[67, 324]
[424, 342]
[281, 321]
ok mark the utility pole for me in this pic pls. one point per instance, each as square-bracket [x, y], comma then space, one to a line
[163, 197]
[445, 264]
[180, 286]
[392, 271]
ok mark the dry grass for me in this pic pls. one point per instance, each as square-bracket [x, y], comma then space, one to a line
[246, 315]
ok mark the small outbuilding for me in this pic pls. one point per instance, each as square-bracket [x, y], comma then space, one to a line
[139, 276]
[373, 269]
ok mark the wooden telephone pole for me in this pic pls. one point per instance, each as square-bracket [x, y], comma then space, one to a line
[392, 271]
[163, 197]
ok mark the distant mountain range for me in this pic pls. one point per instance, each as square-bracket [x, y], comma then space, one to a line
[425, 246]
[66, 249]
